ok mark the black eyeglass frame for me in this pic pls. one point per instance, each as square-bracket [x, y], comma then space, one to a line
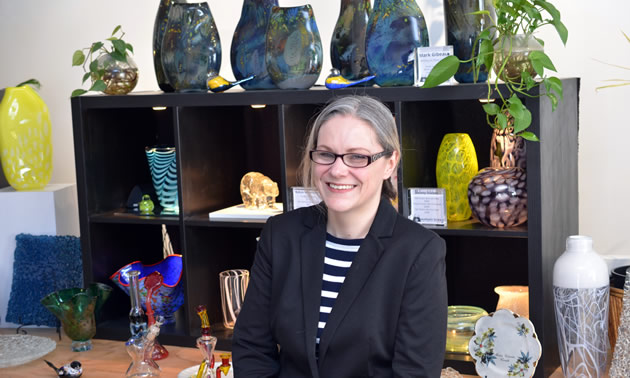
[370, 158]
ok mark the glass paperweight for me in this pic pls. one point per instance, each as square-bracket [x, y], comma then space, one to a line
[258, 191]
[461, 326]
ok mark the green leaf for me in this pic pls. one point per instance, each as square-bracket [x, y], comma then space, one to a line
[94, 66]
[528, 80]
[522, 117]
[554, 84]
[34, 82]
[129, 47]
[514, 100]
[491, 109]
[485, 34]
[118, 56]
[96, 46]
[554, 100]
[528, 135]
[78, 58]
[562, 31]
[86, 76]
[539, 60]
[442, 71]
[502, 121]
[119, 46]
[486, 53]
[98, 86]
[78, 92]
[550, 8]
[116, 29]
[480, 12]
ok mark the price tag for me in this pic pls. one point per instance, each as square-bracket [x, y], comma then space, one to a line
[304, 197]
[427, 206]
[425, 58]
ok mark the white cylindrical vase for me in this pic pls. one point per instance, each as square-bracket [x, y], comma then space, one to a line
[581, 294]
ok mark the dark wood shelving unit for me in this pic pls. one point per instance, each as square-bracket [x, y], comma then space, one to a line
[220, 137]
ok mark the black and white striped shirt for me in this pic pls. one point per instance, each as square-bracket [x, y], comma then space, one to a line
[339, 256]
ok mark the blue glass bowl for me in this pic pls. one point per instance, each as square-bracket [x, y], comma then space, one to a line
[169, 297]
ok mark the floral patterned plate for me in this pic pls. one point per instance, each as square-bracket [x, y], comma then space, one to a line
[504, 345]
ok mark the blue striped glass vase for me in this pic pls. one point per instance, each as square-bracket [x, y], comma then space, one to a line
[163, 167]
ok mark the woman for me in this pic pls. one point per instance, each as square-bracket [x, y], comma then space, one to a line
[347, 288]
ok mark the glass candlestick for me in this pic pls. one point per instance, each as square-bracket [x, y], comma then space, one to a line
[137, 318]
[206, 344]
[139, 348]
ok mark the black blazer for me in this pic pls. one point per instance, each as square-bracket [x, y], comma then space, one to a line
[389, 319]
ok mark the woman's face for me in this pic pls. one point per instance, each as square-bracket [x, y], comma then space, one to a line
[347, 190]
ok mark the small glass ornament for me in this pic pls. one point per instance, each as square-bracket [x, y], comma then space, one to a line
[146, 206]
[206, 344]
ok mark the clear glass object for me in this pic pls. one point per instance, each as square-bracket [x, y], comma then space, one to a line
[120, 77]
[206, 344]
[140, 348]
[258, 191]
[461, 326]
[137, 318]
[233, 284]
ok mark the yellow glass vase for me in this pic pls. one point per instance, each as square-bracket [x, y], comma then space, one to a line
[25, 139]
[456, 166]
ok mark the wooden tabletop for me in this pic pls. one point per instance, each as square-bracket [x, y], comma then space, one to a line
[107, 358]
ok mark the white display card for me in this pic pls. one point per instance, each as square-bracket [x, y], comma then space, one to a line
[427, 206]
[304, 197]
[425, 58]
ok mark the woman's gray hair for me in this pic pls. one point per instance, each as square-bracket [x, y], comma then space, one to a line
[367, 109]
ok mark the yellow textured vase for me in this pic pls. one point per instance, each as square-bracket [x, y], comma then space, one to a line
[25, 139]
[456, 166]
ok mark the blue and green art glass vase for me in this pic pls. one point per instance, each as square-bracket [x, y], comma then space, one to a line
[293, 47]
[163, 167]
[395, 29]
[347, 46]
[247, 53]
[159, 28]
[191, 48]
[463, 29]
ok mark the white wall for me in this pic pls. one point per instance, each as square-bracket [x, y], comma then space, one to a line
[38, 37]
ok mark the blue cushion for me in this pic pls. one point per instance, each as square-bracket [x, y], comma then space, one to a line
[43, 264]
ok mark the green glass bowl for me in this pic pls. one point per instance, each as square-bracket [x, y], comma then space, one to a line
[461, 326]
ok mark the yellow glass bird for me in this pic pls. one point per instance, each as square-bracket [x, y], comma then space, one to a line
[336, 81]
[218, 84]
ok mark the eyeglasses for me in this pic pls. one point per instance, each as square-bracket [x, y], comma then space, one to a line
[352, 160]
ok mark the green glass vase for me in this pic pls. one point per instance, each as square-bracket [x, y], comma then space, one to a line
[456, 166]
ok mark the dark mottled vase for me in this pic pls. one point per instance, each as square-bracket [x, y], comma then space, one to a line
[347, 46]
[159, 27]
[293, 47]
[498, 194]
[191, 48]
[247, 52]
[463, 29]
[395, 28]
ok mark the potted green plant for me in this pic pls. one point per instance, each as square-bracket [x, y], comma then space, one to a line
[510, 48]
[108, 65]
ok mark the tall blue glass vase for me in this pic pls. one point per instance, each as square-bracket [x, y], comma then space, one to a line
[159, 27]
[347, 47]
[163, 167]
[463, 29]
[191, 48]
[395, 28]
[293, 47]
[247, 53]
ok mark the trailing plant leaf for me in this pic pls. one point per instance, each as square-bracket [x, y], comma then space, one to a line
[491, 109]
[528, 135]
[86, 76]
[554, 84]
[540, 60]
[502, 121]
[116, 29]
[32, 82]
[78, 58]
[98, 86]
[96, 46]
[78, 92]
[442, 71]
